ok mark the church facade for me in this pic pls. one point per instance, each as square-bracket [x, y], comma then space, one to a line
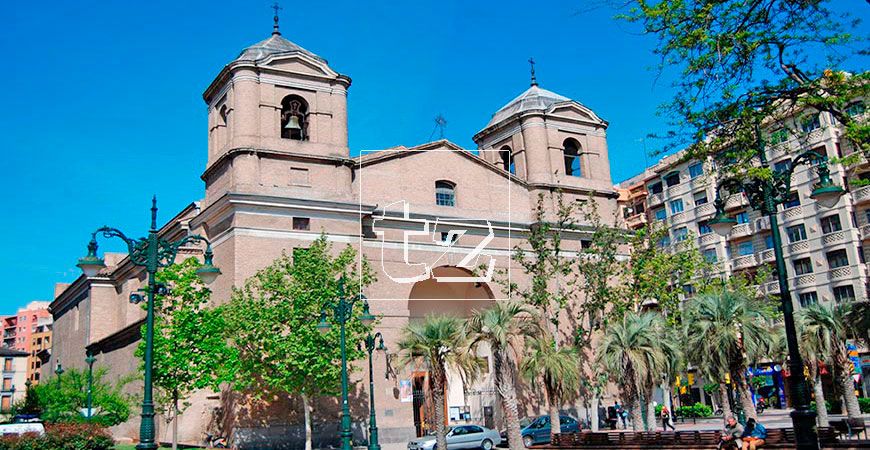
[279, 173]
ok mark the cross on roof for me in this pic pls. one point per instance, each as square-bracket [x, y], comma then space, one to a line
[532, 64]
[276, 7]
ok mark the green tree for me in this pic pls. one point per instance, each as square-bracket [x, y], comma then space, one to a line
[824, 331]
[62, 401]
[559, 370]
[724, 331]
[190, 351]
[635, 352]
[272, 322]
[439, 343]
[742, 62]
[502, 327]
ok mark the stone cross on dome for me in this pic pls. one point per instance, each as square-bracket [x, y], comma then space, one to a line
[276, 7]
[532, 64]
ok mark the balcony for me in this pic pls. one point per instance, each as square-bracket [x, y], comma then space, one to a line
[797, 247]
[766, 256]
[792, 213]
[707, 209]
[762, 223]
[740, 230]
[744, 262]
[707, 239]
[735, 201]
[772, 287]
[833, 238]
[865, 232]
[805, 279]
[655, 199]
[861, 195]
[841, 273]
[636, 220]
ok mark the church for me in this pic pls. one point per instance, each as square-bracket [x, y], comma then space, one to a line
[279, 173]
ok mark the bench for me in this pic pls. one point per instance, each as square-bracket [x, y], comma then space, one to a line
[777, 438]
[851, 427]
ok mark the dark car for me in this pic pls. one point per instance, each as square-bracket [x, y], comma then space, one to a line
[538, 432]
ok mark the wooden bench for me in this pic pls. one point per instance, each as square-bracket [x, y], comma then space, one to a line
[777, 438]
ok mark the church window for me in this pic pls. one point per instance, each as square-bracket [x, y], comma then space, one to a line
[294, 118]
[301, 223]
[507, 160]
[572, 158]
[445, 194]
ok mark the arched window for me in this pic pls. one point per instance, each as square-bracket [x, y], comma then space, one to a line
[223, 116]
[507, 159]
[445, 193]
[294, 118]
[572, 158]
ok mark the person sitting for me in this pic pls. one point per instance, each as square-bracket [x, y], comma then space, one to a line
[754, 435]
[731, 434]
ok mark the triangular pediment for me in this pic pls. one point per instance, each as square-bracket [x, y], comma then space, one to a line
[300, 64]
[575, 111]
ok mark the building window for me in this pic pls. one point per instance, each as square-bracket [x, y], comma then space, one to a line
[742, 217]
[704, 228]
[655, 188]
[676, 206]
[793, 200]
[803, 266]
[700, 198]
[294, 118]
[745, 248]
[681, 234]
[710, 255]
[445, 194]
[844, 293]
[778, 136]
[7, 365]
[782, 166]
[810, 123]
[837, 258]
[672, 179]
[696, 170]
[660, 214]
[796, 233]
[855, 109]
[301, 223]
[831, 224]
[572, 158]
[768, 242]
[808, 298]
[507, 160]
[665, 241]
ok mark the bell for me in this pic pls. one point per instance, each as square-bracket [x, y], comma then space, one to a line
[293, 123]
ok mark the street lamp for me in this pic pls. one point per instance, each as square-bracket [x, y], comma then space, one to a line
[152, 252]
[58, 371]
[342, 309]
[373, 427]
[90, 360]
[768, 193]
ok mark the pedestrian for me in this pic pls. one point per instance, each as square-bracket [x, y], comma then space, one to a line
[624, 418]
[731, 434]
[619, 410]
[753, 435]
[666, 419]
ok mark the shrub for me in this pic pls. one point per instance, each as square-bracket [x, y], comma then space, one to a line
[696, 410]
[62, 437]
[864, 403]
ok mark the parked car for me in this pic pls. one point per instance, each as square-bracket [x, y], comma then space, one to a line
[524, 422]
[460, 437]
[538, 432]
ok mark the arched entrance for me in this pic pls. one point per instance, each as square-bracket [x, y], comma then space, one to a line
[431, 297]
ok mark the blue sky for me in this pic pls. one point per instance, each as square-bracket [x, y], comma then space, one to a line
[102, 103]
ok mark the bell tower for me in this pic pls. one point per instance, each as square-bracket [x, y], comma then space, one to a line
[277, 122]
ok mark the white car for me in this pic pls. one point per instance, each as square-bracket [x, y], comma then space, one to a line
[459, 437]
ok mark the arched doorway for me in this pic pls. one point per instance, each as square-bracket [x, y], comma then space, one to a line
[431, 297]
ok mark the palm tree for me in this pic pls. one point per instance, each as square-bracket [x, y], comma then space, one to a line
[503, 326]
[816, 348]
[558, 368]
[441, 343]
[631, 350]
[828, 327]
[725, 330]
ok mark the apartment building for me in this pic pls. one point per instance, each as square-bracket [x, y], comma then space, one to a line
[13, 377]
[29, 331]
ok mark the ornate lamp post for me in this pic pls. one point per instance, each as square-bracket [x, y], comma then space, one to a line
[768, 193]
[90, 360]
[342, 309]
[58, 371]
[373, 426]
[151, 252]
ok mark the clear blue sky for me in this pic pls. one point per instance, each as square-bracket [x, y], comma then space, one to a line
[102, 107]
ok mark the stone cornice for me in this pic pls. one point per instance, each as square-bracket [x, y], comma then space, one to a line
[277, 154]
[119, 339]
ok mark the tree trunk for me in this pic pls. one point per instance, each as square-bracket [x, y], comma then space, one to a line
[438, 381]
[636, 415]
[504, 382]
[743, 393]
[650, 409]
[847, 386]
[175, 422]
[306, 412]
[555, 423]
[724, 401]
[594, 413]
[819, 394]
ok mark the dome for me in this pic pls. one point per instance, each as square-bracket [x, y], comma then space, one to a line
[533, 99]
[274, 45]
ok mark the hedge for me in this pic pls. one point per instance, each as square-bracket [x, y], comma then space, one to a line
[62, 437]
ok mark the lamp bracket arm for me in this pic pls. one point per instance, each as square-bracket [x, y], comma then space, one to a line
[189, 239]
[109, 232]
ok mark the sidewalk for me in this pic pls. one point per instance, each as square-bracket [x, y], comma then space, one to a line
[772, 418]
